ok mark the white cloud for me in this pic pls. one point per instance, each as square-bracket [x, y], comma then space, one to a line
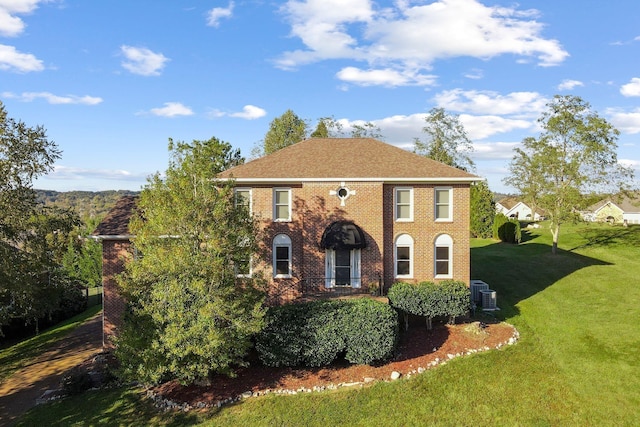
[76, 173]
[494, 150]
[410, 36]
[632, 88]
[143, 61]
[54, 99]
[569, 84]
[482, 127]
[249, 112]
[489, 102]
[172, 109]
[628, 123]
[10, 24]
[12, 60]
[384, 77]
[474, 74]
[217, 13]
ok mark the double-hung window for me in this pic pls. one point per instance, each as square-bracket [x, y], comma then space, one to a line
[243, 198]
[282, 204]
[443, 204]
[443, 256]
[404, 204]
[282, 256]
[403, 257]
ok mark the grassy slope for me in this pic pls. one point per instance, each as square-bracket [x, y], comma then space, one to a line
[576, 364]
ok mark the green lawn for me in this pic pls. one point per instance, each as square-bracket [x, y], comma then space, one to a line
[577, 362]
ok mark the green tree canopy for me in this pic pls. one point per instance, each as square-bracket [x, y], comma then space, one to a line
[575, 155]
[284, 131]
[446, 140]
[483, 210]
[191, 316]
[32, 237]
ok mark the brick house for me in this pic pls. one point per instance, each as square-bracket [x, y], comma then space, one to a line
[341, 215]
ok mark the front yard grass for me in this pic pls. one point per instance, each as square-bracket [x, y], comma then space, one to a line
[576, 363]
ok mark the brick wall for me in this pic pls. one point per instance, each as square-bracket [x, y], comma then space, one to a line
[371, 208]
[114, 255]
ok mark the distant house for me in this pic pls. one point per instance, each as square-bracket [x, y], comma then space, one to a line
[339, 215]
[512, 207]
[614, 210]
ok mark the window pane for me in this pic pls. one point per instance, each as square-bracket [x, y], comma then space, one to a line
[282, 253]
[442, 196]
[343, 275]
[282, 212]
[403, 252]
[442, 211]
[442, 267]
[282, 267]
[404, 212]
[242, 198]
[403, 268]
[282, 197]
[343, 258]
[242, 267]
[403, 197]
[442, 253]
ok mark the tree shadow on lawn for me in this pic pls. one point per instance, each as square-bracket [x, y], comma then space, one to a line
[517, 272]
[609, 236]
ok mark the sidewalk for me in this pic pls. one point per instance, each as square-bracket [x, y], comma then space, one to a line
[19, 392]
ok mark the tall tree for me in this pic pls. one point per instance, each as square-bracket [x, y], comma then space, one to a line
[366, 130]
[190, 315]
[446, 140]
[321, 130]
[483, 210]
[575, 154]
[284, 131]
[32, 237]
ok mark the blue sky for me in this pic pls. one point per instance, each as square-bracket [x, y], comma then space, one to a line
[111, 81]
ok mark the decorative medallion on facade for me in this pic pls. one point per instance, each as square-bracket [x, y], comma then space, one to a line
[342, 192]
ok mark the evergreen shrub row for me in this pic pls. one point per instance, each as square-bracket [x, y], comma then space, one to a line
[364, 331]
[449, 298]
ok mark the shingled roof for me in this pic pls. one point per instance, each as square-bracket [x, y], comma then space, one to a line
[116, 223]
[340, 159]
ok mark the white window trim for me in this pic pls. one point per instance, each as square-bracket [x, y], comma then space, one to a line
[403, 240]
[275, 211]
[250, 270]
[281, 240]
[435, 204]
[443, 240]
[395, 204]
[236, 190]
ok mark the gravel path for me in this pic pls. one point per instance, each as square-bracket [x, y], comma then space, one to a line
[19, 392]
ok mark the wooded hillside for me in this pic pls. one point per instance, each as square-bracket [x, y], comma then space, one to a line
[88, 204]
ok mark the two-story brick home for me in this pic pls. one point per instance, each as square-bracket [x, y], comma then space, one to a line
[339, 215]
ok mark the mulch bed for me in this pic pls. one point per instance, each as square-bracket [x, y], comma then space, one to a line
[419, 349]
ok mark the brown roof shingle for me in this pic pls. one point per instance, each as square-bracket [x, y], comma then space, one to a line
[345, 158]
[116, 222]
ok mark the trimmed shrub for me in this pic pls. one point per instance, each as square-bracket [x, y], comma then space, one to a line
[371, 331]
[317, 333]
[448, 298]
[498, 223]
[507, 230]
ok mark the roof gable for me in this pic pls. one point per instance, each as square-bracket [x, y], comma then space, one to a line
[344, 159]
[116, 222]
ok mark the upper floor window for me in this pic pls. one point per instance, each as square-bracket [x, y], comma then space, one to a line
[443, 204]
[404, 204]
[243, 198]
[403, 257]
[443, 256]
[282, 204]
[282, 256]
[242, 267]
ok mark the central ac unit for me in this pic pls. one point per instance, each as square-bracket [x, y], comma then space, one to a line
[475, 287]
[488, 299]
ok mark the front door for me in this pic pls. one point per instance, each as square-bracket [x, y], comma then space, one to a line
[342, 268]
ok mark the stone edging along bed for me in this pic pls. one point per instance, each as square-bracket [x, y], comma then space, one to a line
[165, 404]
